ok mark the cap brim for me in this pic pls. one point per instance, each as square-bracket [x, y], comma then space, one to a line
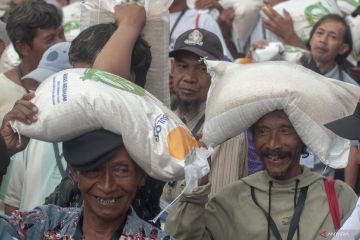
[197, 51]
[39, 74]
[347, 127]
[90, 150]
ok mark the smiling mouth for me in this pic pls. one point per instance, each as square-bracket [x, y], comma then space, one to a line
[274, 157]
[107, 201]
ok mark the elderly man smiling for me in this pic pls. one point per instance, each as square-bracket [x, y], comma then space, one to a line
[286, 200]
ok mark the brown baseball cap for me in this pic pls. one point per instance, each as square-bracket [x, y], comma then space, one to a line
[201, 42]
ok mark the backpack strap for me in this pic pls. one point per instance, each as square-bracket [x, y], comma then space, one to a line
[333, 202]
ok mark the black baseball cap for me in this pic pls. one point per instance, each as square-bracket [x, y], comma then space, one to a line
[90, 150]
[201, 42]
[347, 127]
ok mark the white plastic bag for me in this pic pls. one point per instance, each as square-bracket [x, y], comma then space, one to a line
[156, 32]
[9, 59]
[279, 51]
[354, 24]
[76, 101]
[71, 20]
[241, 94]
[295, 54]
[273, 51]
[347, 6]
[305, 14]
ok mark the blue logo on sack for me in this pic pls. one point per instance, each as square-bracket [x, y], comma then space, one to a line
[159, 121]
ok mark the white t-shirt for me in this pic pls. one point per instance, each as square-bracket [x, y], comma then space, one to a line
[10, 92]
[188, 21]
[34, 175]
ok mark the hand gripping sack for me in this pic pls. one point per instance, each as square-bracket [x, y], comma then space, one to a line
[305, 14]
[76, 101]
[245, 19]
[156, 32]
[241, 94]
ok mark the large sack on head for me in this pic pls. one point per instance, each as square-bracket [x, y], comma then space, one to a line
[77, 101]
[305, 14]
[241, 94]
[156, 33]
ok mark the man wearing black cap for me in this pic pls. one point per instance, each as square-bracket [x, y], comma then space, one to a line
[82, 53]
[191, 80]
[108, 179]
[191, 83]
[349, 128]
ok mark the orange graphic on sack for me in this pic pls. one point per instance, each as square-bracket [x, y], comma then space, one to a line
[180, 142]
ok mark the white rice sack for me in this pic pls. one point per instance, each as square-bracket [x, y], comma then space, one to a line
[76, 101]
[241, 94]
[156, 32]
[347, 6]
[71, 20]
[305, 14]
[354, 24]
[246, 17]
[97, 11]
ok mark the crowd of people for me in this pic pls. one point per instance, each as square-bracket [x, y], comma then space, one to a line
[264, 182]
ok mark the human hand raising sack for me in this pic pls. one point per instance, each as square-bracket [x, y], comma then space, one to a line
[131, 15]
[23, 111]
[282, 26]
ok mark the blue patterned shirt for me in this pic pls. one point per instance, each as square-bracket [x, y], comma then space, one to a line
[50, 222]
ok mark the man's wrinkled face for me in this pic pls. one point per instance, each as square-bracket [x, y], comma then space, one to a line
[109, 189]
[191, 81]
[327, 42]
[278, 145]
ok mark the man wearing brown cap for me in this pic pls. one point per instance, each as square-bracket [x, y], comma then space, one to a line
[191, 83]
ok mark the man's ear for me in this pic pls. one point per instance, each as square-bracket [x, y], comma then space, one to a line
[22, 48]
[74, 174]
[343, 49]
[172, 66]
[141, 177]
